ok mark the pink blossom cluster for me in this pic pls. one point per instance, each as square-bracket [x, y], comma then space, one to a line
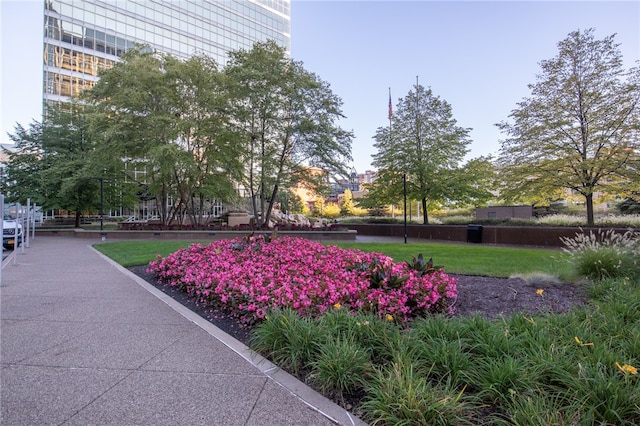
[251, 276]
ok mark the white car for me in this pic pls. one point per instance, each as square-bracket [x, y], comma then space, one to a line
[11, 233]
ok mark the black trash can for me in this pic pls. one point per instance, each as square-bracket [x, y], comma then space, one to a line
[474, 233]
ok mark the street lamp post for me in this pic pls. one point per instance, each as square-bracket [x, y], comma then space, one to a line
[404, 185]
[101, 204]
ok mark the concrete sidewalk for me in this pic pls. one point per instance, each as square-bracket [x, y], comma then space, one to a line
[84, 341]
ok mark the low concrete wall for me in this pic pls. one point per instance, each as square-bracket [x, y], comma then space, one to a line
[503, 212]
[192, 235]
[500, 235]
[539, 236]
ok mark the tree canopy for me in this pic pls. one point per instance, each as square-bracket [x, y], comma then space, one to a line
[426, 145]
[579, 129]
[347, 207]
[171, 119]
[286, 119]
[187, 134]
[53, 163]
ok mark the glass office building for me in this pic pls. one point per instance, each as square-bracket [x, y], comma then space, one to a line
[83, 36]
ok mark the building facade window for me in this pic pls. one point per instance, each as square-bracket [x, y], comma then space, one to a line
[81, 37]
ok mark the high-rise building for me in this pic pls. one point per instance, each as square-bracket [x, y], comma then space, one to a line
[83, 36]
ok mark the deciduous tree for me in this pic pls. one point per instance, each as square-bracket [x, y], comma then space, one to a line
[318, 207]
[23, 178]
[579, 129]
[425, 143]
[287, 120]
[170, 117]
[347, 207]
[53, 163]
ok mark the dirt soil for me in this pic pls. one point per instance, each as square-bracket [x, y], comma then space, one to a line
[486, 296]
[496, 297]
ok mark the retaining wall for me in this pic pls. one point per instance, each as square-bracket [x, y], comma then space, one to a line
[193, 235]
[546, 236]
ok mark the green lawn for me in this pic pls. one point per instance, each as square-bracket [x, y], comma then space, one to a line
[133, 253]
[456, 258]
[475, 259]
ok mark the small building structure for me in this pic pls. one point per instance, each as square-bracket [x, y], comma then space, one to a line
[504, 212]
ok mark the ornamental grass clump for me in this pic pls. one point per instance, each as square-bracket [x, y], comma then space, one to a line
[605, 254]
[341, 366]
[253, 275]
[400, 393]
[290, 341]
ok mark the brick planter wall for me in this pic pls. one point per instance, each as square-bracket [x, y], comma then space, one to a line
[541, 236]
[192, 235]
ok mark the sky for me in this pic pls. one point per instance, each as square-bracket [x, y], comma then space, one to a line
[478, 56]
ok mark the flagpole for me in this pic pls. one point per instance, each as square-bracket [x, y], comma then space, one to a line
[417, 113]
[390, 114]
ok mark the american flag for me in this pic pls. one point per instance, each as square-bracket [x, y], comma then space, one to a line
[390, 106]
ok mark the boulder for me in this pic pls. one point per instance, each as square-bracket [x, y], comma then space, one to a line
[279, 218]
[238, 218]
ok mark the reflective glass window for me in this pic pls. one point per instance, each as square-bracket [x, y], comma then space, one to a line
[48, 83]
[179, 27]
[101, 21]
[77, 13]
[64, 9]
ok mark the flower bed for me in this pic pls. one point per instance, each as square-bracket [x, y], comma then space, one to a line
[253, 275]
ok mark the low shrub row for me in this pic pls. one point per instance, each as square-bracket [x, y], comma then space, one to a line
[571, 369]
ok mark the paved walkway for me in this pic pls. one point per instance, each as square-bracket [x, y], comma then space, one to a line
[86, 342]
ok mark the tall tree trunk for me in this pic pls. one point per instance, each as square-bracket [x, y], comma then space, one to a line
[200, 216]
[161, 201]
[267, 216]
[254, 206]
[78, 208]
[78, 216]
[281, 162]
[252, 189]
[589, 203]
[263, 182]
[425, 215]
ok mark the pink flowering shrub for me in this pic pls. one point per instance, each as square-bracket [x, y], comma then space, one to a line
[250, 276]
